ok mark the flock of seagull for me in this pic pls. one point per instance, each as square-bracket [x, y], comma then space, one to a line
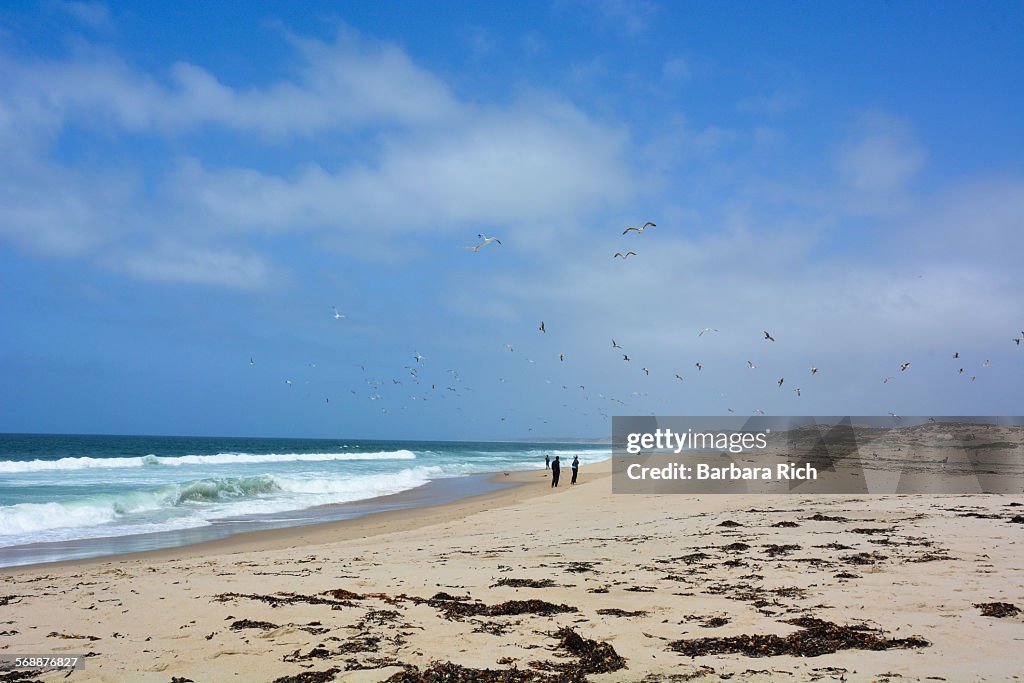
[453, 387]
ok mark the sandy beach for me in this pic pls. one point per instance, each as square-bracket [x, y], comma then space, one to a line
[567, 584]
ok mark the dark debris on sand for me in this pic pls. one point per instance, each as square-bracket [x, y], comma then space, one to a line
[616, 612]
[249, 623]
[785, 525]
[738, 547]
[591, 657]
[21, 676]
[997, 609]
[279, 599]
[310, 676]
[458, 609]
[526, 583]
[730, 523]
[818, 517]
[448, 672]
[816, 637]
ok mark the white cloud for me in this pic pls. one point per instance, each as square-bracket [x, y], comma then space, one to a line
[93, 14]
[778, 101]
[882, 157]
[532, 164]
[193, 265]
[347, 84]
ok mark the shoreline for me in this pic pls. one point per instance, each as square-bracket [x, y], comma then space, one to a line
[405, 514]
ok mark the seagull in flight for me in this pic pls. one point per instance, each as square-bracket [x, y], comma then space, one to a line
[561, 357]
[706, 329]
[758, 412]
[541, 328]
[646, 225]
[781, 380]
[956, 354]
[904, 367]
[1018, 340]
[625, 357]
[625, 256]
[887, 380]
[814, 370]
[797, 392]
[768, 337]
[615, 345]
[751, 365]
[288, 382]
[252, 361]
[698, 366]
[419, 357]
[646, 371]
[337, 315]
[985, 364]
[679, 377]
[961, 371]
[509, 347]
[487, 240]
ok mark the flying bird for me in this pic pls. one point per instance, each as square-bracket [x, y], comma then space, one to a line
[337, 314]
[781, 380]
[768, 337]
[541, 328]
[698, 366]
[887, 380]
[252, 361]
[706, 329]
[646, 371]
[509, 347]
[797, 392]
[751, 365]
[288, 382]
[1018, 340]
[814, 370]
[561, 356]
[615, 345]
[488, 240]
[625, 357]
[625, 256]
[474, 249]
[961, 371]
[956, 354]
[904, 367]
[646, 225]
[679, 377]
[985, 364]
[419, 358]
[758, 412]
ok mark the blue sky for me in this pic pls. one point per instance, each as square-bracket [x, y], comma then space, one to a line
[186, 187]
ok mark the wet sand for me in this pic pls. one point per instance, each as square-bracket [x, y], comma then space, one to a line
[563, 585]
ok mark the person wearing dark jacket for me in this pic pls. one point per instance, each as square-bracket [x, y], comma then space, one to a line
[575, 468]
[555, 468]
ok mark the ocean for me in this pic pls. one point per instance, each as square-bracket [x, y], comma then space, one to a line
[73, 496]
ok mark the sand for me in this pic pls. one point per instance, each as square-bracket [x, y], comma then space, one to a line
[359, 599]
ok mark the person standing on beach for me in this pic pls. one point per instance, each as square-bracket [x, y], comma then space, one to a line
[555, 468]
[547, 461]
[575, 468]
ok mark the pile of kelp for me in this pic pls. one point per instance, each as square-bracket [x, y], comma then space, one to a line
[816, 637]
